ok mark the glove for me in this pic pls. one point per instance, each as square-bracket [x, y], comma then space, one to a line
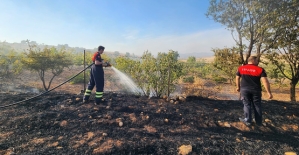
[106, 64]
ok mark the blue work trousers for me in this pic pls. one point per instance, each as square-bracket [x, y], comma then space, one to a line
[96, 79]
[252, 99]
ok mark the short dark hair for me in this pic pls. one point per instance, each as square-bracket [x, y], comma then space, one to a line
[101, 48]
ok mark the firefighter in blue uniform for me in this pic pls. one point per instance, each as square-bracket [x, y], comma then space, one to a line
[96, 77]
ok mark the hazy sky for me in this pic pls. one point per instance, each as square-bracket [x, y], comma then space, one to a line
[120, 25]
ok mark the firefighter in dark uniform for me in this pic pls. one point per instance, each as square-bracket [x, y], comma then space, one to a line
[250, 88]
[96, 77]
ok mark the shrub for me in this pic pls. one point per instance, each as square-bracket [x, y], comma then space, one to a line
[80, 78]
[219, 79]
[189, 79]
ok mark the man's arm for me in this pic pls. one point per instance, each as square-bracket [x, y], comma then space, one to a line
[267, 86]
[97, 62]
[238, 82]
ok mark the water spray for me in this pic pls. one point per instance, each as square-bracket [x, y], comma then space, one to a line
[127, 81]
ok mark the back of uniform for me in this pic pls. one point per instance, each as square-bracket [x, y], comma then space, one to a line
[251, 77]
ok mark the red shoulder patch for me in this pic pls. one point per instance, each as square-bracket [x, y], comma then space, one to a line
[94, 56]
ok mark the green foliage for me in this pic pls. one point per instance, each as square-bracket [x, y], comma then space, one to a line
[80, 78]
[204, 70]
[153, 75]
[135, 70]
[252, 23]
[10, 64]
[198, 68]
[191, 60]
[188, 79]
[226, 60]
[219, 79]
[285, 55]
[190, 66]
[124, 64]
[78, 58]
[48, 59]
[274, 73]
[167, 71]
[270, 27]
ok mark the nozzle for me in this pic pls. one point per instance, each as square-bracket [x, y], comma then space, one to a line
[107, 64]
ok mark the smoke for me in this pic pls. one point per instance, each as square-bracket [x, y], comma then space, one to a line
[18, 89]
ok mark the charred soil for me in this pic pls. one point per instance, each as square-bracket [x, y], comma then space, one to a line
[60, 123]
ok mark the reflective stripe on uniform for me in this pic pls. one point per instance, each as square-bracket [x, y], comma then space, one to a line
[87, 92]
[99, 94]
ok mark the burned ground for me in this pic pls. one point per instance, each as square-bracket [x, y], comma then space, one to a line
[59, 123]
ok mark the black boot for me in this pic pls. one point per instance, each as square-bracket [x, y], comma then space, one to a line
[85, 99]
[86, 96]
[99, 101]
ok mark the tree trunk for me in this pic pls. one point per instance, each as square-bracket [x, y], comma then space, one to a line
[50, 82]
[42, 77]
[241, 48]
[168, 82]
[251, 42]
[293, 90]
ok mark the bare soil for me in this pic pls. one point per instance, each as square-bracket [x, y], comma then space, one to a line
[59, 123]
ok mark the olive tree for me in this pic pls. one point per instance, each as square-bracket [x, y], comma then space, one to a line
[154, 76]
[252, 24]
[286, 53]
[10, 64]
[226, 60]
[45, 60]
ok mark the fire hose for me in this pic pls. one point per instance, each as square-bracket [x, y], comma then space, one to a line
[107, 64]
